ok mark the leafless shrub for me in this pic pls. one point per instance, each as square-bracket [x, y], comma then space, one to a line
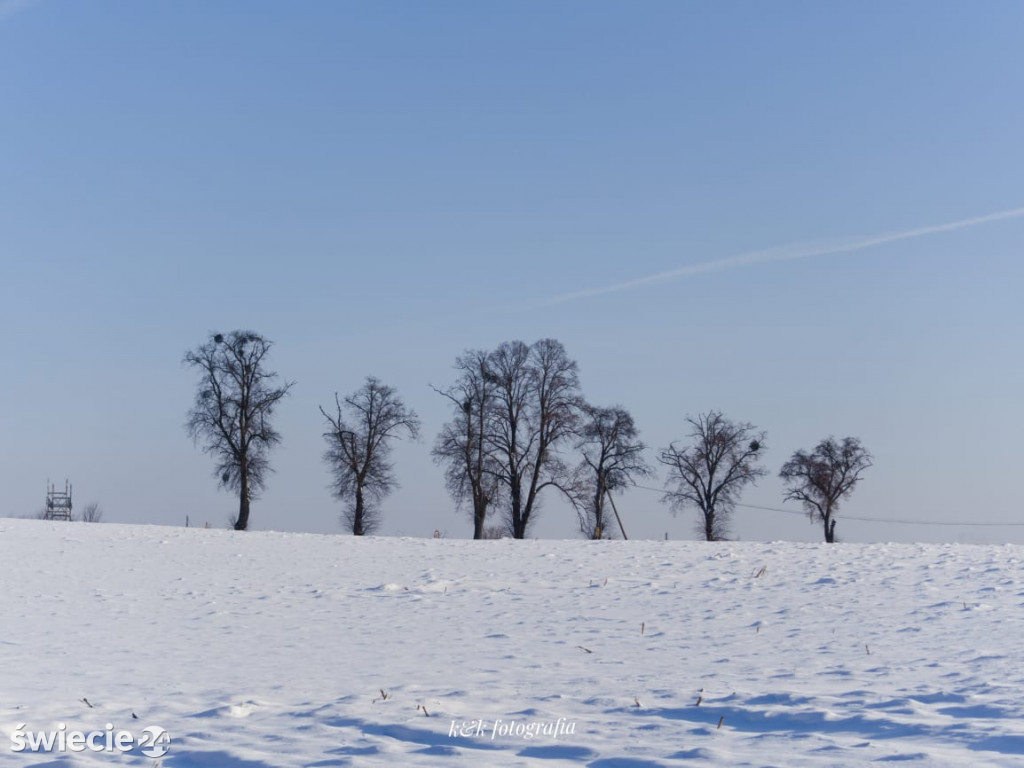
[91, 513]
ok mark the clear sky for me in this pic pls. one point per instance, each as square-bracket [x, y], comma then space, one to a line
[378, 186]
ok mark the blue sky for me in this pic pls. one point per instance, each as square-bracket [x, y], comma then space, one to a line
[377, 187]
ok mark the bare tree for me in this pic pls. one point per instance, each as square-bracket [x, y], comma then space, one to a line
[612, 457]
[711, 474]
[91, 513]
[536, 408]
[234, 403]
[820, 479]
[359, 450]
[470, 473]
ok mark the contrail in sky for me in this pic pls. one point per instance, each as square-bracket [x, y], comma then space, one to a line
[782, 253]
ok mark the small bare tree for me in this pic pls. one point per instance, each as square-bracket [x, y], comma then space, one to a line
[612, 456]
[358, 452]
[470, 472]
[823, 477]
[711, 473]
[91, 513]
[234, 403]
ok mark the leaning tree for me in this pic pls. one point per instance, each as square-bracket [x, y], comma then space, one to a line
[358, 455]
[711, 473]
[611, 458]
[823, 477]
[235, 400]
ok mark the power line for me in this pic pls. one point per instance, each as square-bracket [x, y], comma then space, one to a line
[895, 521]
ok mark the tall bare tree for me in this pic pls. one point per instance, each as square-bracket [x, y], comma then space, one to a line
[358, 454]
[822, 478]
[612, 456]
[711, 473]
[537, 403]
[231, 415]
[462, 443]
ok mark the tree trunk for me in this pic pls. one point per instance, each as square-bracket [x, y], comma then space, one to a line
[598, 531]
[518, 524]
[357, 521]
[242, 523]
[479, 516]
[830, 529]
[709, 526]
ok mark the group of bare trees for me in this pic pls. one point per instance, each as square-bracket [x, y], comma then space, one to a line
[519, 427]
[723, 458]
[513, 408]
[233, 412]
[517, 408]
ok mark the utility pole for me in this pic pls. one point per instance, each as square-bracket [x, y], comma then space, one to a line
[619, 519]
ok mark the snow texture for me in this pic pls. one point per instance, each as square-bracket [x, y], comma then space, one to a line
[275, 649]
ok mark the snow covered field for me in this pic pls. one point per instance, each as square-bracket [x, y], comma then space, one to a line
[274, 649]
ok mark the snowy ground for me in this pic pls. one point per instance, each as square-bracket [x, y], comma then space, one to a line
[273, 649]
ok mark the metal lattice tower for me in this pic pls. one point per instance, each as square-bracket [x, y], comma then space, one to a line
[58, 504]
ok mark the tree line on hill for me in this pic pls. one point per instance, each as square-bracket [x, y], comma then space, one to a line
[519, 427]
